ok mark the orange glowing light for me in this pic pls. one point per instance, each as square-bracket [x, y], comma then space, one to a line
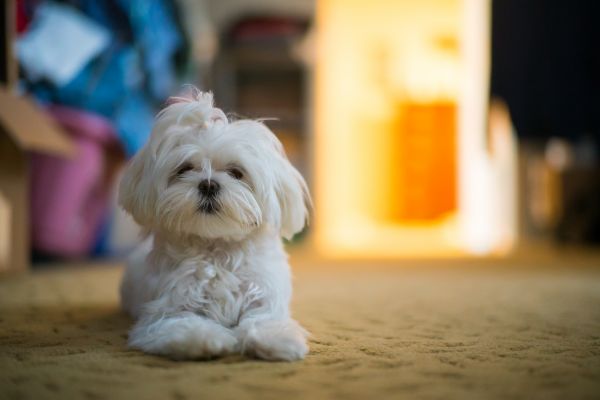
[390, 132]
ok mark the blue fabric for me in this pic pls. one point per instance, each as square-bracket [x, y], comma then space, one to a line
[153, 23]
[129, 81]
[101, 86]
[134, 120]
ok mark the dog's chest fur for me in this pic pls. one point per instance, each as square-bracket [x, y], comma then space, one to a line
[217, 284]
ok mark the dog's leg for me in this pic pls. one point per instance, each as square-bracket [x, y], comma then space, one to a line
[182, 336]
[273, 339]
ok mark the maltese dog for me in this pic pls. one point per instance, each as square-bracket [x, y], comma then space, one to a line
[214, 196]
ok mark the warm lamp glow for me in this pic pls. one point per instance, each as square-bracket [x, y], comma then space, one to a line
[390, 128]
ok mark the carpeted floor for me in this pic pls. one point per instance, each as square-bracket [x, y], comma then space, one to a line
[423, 330]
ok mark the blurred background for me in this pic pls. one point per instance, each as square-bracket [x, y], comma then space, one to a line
[437, 128]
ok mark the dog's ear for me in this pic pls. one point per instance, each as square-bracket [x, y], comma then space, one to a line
[133, 196]
[288, 199]
[293, 197]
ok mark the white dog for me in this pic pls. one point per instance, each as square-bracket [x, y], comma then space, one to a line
[215, 198]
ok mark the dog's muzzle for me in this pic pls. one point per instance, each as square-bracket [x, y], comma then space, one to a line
[209, 189]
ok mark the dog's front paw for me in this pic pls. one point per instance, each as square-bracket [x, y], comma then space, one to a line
[183, 338]
[275, 340]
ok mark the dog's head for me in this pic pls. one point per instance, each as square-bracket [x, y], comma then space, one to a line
[200, 174]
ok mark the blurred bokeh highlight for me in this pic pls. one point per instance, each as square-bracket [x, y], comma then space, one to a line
[427, 129]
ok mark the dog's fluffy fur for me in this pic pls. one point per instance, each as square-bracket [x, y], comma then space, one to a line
[213, 277]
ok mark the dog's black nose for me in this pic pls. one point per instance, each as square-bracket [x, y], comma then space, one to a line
[209, 188]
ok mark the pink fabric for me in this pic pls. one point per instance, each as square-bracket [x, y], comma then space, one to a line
[69, 197]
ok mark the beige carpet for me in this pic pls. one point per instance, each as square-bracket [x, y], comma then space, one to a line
[415, 330]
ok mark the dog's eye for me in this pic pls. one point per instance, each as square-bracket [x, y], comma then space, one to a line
[184, 168]
[235, 173]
